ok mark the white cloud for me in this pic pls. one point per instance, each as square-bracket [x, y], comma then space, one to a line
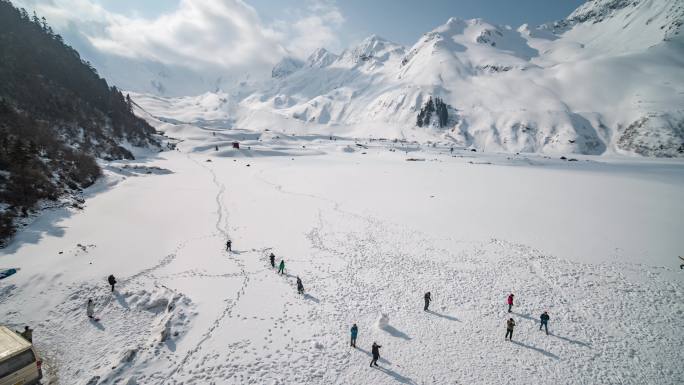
[317, 27]
[218, 36]
[200, 33]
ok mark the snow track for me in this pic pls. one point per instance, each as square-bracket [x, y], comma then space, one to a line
[222, 227]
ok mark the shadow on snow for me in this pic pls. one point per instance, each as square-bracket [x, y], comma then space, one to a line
[576, 342]
[397, 376]
[395, 332]
[542, 351]
[450, 318]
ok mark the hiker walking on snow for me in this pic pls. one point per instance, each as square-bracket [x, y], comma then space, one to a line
[300, 286]
[375, 351]
[428, 298]
[112, 281]
[354, 333]
[229, 245]
[272, 258]
[281, 268]
[510, 324]
[544, 322]
[90, 309]
[510, 302]
[682, 265]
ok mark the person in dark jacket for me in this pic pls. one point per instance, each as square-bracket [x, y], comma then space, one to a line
[545, 322]
[428, 298]
[27, 334]
[354, 333]
[112, 281]
[510, 302]
[300, 286]
[281, 267]
[375, 351]
[229, 245]
[510, 324]
[682, 265]
[272, 258]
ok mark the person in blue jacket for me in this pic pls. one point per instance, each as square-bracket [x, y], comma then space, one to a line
[354, 333]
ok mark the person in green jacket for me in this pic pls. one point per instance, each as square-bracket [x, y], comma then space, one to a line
[281, 268]
[510, 324]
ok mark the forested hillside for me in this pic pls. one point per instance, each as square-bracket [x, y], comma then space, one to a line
[56, 116]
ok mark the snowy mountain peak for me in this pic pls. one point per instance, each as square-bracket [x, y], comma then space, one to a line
[374, 39]
[454, 20]
[658, 19]
[453, 26]
[491, 41]
[598, 10]
[285, 67]
[373, 49]
[321, 58]
[474, 30]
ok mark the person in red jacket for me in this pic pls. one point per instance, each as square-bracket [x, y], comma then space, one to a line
[510, 302]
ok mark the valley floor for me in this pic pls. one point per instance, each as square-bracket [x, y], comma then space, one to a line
[594, 242]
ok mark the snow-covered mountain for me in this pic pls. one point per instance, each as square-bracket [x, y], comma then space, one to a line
[607, 79]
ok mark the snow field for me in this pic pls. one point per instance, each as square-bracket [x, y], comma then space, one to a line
[368, 234]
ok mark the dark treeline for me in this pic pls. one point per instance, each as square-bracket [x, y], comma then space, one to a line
[438, 107]
[56, 115]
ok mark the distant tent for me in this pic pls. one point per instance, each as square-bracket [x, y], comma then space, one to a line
[236, 145]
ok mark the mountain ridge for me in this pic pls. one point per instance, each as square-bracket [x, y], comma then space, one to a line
[556, 88]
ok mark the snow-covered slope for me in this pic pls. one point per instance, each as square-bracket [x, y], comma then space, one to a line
[369, 233]
[608, 79]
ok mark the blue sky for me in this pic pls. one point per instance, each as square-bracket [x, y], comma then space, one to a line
[405, 21]
[397, 20]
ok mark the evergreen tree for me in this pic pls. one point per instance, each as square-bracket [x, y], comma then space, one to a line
[442, 112]
[429, 109]
[421, 116]
[18, 153]
[438, 107]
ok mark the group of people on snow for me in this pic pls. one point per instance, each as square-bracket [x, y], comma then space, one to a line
[375, 349]
[281, 271]
[90, 305]
[510, 324]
